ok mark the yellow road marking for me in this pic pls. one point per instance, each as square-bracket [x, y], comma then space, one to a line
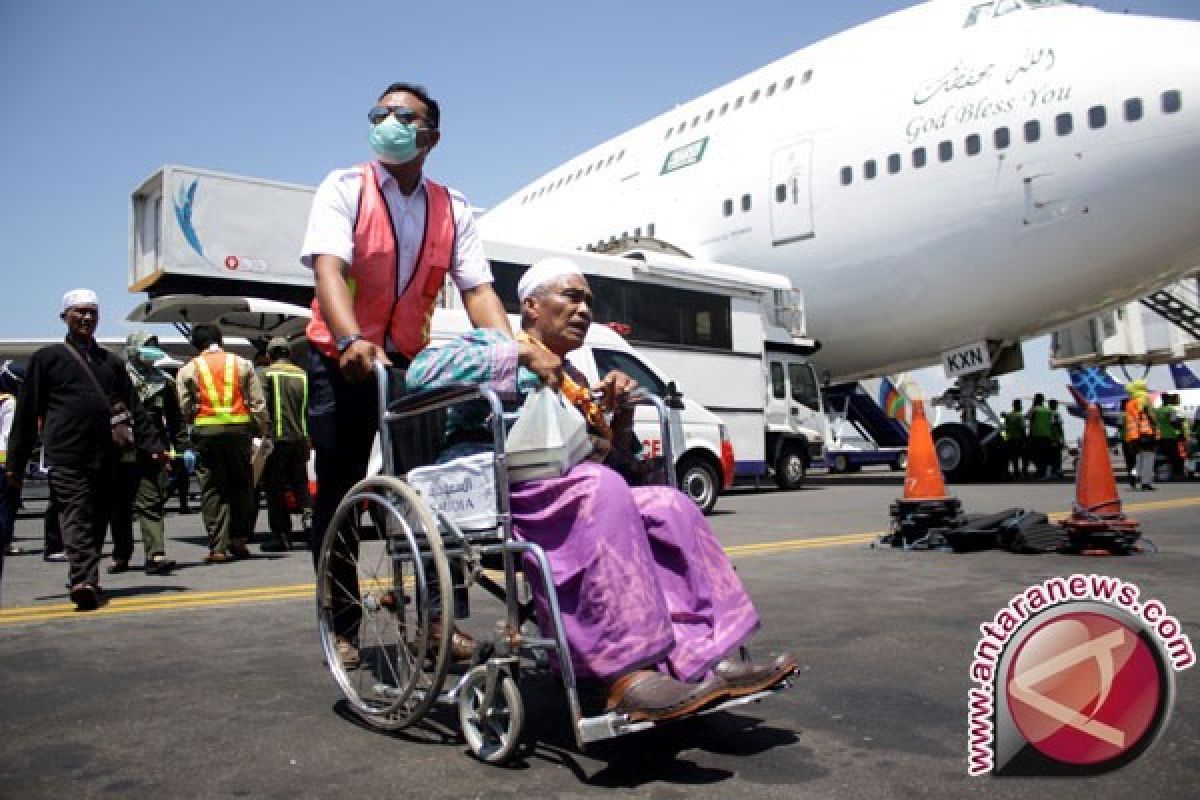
[228, 597]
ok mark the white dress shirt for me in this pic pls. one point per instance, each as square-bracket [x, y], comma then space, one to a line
[335, 208]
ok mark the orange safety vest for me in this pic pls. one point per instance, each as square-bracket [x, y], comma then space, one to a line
[404, 321]
[1137, 420]
[222, 401]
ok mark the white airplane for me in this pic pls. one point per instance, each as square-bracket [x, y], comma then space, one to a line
[948, 180]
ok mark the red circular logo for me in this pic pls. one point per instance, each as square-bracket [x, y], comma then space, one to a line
[231, 262]
[1084, 688]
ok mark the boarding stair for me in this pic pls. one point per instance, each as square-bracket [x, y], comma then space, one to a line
[1179, 304]
[850, 401]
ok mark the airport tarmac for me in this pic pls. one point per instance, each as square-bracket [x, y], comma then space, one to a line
[210, 682]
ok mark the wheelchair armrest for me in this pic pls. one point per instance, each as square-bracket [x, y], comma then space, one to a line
[431, 399]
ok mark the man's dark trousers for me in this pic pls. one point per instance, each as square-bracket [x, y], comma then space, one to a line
[83, 496]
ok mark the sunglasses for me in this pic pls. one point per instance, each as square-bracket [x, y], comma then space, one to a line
[378, 114]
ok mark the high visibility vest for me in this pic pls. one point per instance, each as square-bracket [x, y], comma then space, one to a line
[222, 401]
[1137, 420]
[1041, 422]
[404, 320]
[284, 412]
[1014, 425]
[1167, 427]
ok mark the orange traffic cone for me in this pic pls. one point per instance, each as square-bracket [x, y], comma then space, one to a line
[923, 477]
[1096, 522]
[925, 506]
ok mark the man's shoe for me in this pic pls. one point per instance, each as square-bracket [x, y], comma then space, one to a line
[217, 557]
[85, 597]
[743, 677]
[117, 567]
[275, 546]
[347, 653]
[647, 696]
[58, 558]
[159, 566]
[13, 550]
[462, 645]
[1148, 488]
[239, 550]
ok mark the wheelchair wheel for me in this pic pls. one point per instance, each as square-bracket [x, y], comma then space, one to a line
[492, 727]
[380, 569]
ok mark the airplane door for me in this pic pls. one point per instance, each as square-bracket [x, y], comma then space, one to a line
[791, 193]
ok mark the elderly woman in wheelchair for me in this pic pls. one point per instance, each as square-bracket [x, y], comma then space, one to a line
[629, 580]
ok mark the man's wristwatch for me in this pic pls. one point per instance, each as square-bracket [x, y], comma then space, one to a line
[344, 342]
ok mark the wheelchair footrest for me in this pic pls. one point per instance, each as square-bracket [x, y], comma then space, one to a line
[612, 724]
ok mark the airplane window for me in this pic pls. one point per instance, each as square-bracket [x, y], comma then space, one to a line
[770, 90]
[745, 202]
[918, 157]
[754, 95]
[1064, 124]
[724, 108]
[695, 120]
[788, 83]
[893, 163]
[727, 208]
[669, 132]
[806, 77]
[1133, 109]
[1172, 101]
[847, 176]
[1033, 130]
[637, 232]
[560, 183]
[945, 151]
[569, 178]
[737, 104]
[974, 144]
[1001, 138]
[781, 193]
[709, 115]
[620, 155]
[650, 229]
[589, 170]
[610, 160]
[1097, 117]
[869, 169]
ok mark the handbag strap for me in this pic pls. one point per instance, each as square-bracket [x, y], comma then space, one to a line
[91, 375]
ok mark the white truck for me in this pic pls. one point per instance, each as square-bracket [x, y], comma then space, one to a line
[212, 247]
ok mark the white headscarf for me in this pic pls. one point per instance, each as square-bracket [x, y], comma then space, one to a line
[80, 297]
[544, 271]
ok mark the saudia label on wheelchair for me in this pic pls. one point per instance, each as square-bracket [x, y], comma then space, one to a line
[463, 489]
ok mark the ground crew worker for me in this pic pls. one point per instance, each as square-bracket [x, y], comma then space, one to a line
[381, 238]
[1140, 432]
[1058, 438]
[1172, 435]
[11, 378]
[1014, 439]
[285, 387]
[1041, 435]
[141, 483]
[220, 396]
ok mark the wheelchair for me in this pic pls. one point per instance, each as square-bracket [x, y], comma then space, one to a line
[390, 560]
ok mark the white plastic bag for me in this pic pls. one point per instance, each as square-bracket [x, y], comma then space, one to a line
[549, 437]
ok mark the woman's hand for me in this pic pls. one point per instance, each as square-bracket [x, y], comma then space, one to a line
[541, 362]
[617, 387]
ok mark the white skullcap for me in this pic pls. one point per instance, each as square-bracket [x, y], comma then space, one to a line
[80, 297]
[543, 272]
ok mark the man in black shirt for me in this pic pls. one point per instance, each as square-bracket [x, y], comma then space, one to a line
[76, 410]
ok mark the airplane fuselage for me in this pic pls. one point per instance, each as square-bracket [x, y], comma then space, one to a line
[927, 182]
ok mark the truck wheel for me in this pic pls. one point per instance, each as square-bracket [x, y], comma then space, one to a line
[790, 468]
[698, 479]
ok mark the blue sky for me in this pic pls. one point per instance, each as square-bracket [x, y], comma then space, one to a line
[97, 95]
